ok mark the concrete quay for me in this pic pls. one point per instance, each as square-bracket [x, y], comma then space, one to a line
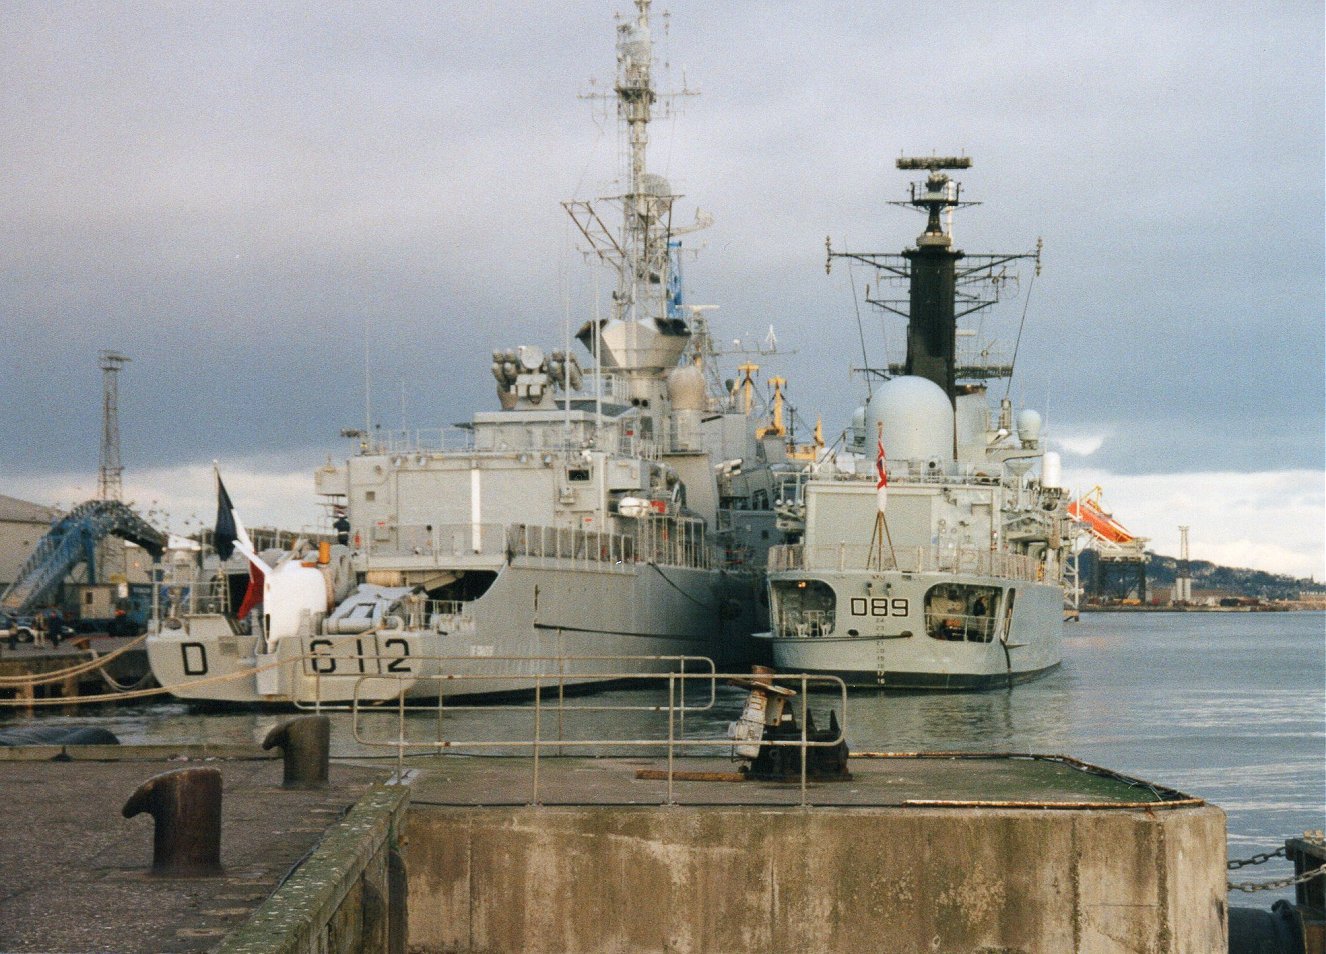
[960, 854]
[924, 853]
[74, 873]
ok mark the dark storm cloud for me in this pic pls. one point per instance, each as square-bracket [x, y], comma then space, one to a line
[246, 197]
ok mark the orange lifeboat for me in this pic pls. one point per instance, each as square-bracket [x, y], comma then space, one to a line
[1101, 524]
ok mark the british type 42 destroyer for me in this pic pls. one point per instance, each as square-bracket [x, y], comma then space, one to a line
[932, 556]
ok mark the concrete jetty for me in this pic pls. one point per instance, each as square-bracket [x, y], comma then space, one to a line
[75, 873]
[26, 669]
[921, 852]
[953, 853]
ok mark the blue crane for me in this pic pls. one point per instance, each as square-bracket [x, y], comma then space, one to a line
[72, 541]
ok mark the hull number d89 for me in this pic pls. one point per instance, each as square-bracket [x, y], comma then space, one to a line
[879, 606]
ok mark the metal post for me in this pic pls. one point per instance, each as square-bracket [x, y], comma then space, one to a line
[400, 734]
[538, 722]
[439, 708]
[805, 703]
[561, 698]
[672, 690]
[683, 697]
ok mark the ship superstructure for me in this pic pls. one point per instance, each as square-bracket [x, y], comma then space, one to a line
[611, 505]
[931, 554]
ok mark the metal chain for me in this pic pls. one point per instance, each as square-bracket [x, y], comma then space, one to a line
[1250, 886]
[1262, 858]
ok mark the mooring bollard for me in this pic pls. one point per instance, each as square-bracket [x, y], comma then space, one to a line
[305, 744]
[186, 806]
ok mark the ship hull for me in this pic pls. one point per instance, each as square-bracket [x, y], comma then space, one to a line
[901, 641]
[540, 624]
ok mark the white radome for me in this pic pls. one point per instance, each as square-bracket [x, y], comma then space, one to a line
[917, 417]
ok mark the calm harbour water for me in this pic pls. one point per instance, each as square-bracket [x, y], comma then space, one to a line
[1230, 707]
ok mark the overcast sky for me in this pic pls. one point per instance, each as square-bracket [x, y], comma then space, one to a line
[242, 197]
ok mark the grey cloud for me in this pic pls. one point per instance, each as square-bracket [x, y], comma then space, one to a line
[232, 194]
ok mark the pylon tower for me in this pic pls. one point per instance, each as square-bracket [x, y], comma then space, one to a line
[110, 485]
[1183, 581]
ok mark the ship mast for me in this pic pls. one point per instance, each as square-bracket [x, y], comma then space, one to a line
[646, 331]
[943, 284]
[647, 206]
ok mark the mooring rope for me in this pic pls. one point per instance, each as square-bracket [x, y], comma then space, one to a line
[59, 675]
[125, 696]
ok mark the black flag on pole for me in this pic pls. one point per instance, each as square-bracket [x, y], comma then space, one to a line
[225, 535]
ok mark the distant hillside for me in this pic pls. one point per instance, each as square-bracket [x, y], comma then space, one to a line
[1161, 571]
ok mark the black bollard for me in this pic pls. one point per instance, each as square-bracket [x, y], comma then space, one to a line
[305, 744]
[186, 805]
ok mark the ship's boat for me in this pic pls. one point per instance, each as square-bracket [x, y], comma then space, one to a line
[1099, 523]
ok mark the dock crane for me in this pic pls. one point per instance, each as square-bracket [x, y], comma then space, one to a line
[71, 542]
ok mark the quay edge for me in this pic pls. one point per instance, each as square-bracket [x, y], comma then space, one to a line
[829, 878]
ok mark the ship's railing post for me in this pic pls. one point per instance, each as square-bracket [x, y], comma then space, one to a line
[672, 702]
[538, 726]
[400, 734]
[805, 704]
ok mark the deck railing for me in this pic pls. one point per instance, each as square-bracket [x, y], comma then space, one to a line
[932, 559]
[669, 541]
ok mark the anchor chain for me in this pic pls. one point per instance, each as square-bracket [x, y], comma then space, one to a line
[1257, 859]
[1312, 837]
[1251, 886]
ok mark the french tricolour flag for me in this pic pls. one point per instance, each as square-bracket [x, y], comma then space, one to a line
[230, 536]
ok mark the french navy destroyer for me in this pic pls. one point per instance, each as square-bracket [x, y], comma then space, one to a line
[600, 518]
[931, 554]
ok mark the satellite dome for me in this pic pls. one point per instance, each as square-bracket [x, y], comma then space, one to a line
[531, 357]
[917, 417]
[654, 184]
[1029, 427]
[686, 389]
[859, 426]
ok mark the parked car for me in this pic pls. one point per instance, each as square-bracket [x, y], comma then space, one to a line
[21, 629]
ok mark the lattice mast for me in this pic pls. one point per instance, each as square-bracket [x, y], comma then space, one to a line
[647, 331]
[110, 473]
[110, 560]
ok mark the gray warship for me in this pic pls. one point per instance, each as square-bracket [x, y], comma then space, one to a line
[930, 552]
[601, 519]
